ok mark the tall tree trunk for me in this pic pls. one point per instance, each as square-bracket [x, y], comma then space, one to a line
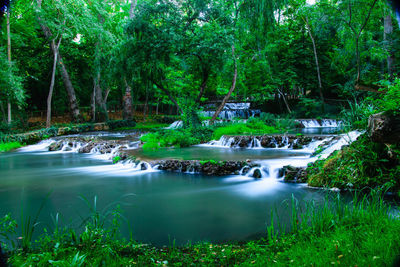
[145, 108]
[127, 98]
[9, 62]
[162, 88]
[127, 102]
[387, 36]
[53, 76]
[233, 86]
[73, 104]
[202, 86]
[316, 60]
[103, 113]
[285, 101]
[3, 112]
[93, 103]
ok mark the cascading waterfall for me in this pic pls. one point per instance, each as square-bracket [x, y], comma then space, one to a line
[255, 143]
[233, 110]
[313, 123]
[107, 150]
[101, 151]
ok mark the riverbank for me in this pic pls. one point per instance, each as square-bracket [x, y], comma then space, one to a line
[364, 233]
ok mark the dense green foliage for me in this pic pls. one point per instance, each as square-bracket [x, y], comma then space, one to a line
[178, 54]
[350, 234]
[364, 164]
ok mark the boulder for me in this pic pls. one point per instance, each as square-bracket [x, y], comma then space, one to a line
[295, 174]
[384, 128]
[257, 174]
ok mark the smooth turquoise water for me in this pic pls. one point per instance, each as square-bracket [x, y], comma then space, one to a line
[159, 206]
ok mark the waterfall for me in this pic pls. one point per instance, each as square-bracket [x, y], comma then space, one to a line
[313, 123]
[255, 143]
[233, 110]
[175, 125]
[222, 142]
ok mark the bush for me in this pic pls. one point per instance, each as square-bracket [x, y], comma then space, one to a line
[390, 102]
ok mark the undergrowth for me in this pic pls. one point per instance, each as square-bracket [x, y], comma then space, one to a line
[360, 165]
[363, 232]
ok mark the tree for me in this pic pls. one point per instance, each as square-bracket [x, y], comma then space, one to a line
[46, 15]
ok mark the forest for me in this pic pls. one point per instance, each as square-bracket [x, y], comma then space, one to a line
[199, 132]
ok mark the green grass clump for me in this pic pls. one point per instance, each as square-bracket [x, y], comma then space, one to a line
[253, 126]
[4, 147]
[168, 138]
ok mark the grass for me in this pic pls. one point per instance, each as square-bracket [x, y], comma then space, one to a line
[362, 233]
[253, 126]
[4, 147]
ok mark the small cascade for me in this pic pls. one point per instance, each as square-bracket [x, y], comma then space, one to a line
[338, 143]
[41, 146]
[313, 123]
[269, 141]
[232, 110]
[222, 142]
[175, 125]
[255, 143]
[285, 141]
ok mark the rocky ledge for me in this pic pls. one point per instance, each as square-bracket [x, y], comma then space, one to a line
[272, 141]
[83, 145]
[210, 167]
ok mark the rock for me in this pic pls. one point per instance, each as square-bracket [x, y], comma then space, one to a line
[384, 128]
[245, 170]
[295, 174]
[143, 166]
[56, 146]
[257, 174]
[208, 168]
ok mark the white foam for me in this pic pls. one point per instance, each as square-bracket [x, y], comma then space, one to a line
[41, 146]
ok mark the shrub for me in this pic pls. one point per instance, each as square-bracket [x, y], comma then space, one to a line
[356, 117]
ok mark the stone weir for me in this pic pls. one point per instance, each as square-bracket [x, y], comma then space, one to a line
[270, 141]
[85, 145]
[210, 168]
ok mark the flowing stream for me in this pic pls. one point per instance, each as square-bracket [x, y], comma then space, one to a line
[159, 206]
